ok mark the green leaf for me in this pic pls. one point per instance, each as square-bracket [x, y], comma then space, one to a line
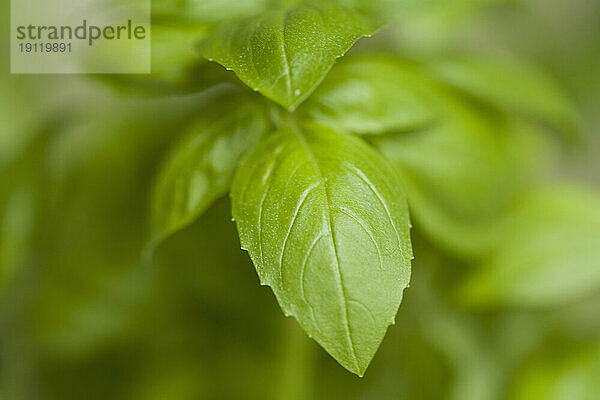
[176, 66]
[201, 168]
[463, 172]
[173, 48]
[206, 10]
[371, 95]
[326, 224]
[94, 178]
[285, 54]
[546, 252]
[511, 85]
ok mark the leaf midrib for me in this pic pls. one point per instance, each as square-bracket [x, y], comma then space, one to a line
[338, 270]
[286, 63]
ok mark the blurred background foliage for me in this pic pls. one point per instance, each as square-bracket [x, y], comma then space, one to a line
[504, 301]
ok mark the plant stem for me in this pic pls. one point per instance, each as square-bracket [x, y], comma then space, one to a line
[297, 353]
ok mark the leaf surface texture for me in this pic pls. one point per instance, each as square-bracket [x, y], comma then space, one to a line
[326, 224]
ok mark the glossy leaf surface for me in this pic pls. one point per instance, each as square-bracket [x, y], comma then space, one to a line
[326, 225]
[285, 54]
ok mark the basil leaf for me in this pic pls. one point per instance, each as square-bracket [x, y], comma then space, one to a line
[546, 252]
[285, 54]
[463, 172]
[327, 227]
[201, 168]
[370, 95]
[511, 85]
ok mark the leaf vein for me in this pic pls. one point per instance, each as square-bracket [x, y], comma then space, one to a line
[359, 221]
[372, 187]
[267, 179]
[367, 309]
[340, 280]
[286, 63]
[303, 198]
[302, 274]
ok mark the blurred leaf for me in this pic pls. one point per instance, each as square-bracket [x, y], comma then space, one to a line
[91, 228]
[16, 111]
[173, 48]
[371, 95]
[92, 141]
[16, 229]
[511, 85]
[201, 168]
[207, 10]
[574, 377]
[324, 220]
[545, 252]
[176, 66]
[82, 319]
[285, 54]
[20, 203]
[463, 172]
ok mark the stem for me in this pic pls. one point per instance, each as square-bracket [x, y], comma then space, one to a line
[297, 353]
